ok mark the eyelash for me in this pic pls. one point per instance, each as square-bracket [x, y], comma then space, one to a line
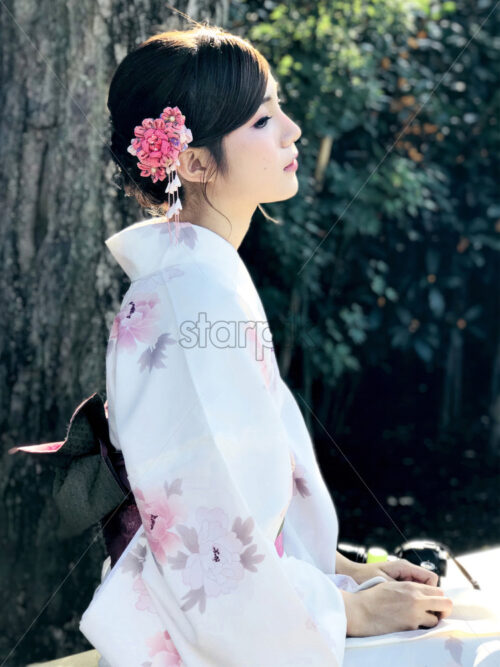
[266, 118]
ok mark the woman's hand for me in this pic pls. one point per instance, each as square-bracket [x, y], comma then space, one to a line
[393, 570]
[394, 606]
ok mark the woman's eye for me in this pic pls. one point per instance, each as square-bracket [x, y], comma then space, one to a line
[264, 120]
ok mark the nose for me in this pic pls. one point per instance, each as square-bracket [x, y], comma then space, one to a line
[295, 132]
[297, 137]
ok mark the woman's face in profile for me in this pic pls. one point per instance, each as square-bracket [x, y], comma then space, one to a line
[258, 151]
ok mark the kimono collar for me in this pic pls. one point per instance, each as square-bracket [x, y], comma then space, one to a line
[148, 246]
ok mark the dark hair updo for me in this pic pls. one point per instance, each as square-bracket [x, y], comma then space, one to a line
[217, 79]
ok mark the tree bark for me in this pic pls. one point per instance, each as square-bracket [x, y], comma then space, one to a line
[59, 286]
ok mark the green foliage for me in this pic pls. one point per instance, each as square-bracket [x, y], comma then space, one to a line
[396, 246]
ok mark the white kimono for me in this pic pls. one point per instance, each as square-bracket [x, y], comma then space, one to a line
[220, 461]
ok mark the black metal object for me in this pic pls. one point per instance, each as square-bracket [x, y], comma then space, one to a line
[429, 554]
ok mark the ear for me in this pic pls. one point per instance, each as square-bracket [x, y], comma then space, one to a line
[193, 165]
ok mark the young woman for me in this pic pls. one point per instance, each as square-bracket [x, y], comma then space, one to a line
[235, 562]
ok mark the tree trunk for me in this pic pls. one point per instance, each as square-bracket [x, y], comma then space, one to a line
[59, 286]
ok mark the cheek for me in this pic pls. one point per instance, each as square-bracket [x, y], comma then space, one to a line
[262, 155]
[253, 158]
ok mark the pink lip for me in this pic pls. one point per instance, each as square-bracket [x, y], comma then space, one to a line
[292, 166]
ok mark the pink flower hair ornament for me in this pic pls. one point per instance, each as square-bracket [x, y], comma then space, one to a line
[158, 142]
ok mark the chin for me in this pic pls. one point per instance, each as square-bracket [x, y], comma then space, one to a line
[292, 191]
[287, 194]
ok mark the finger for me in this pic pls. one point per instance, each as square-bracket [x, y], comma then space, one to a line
[428, 577]
[403, 570]
[398, 570]
[438, 604]
[443, 605]
[422, 575]
[430, 620]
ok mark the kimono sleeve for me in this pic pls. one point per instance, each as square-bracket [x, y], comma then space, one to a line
[191, 407]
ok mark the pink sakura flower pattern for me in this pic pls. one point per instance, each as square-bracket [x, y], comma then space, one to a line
[162, 649]
[159, 142]
[134, 563]
[160, 646]
[138, 321]
[218, 555]
[159, 513]
[144, 601]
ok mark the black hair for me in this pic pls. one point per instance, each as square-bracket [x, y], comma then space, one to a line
[216, 78]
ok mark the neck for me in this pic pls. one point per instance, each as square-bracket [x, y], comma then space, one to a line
[233, 230]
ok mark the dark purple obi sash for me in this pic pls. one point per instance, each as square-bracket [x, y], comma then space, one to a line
[91, 483]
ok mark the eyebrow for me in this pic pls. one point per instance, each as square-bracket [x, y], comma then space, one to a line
[267, 98]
